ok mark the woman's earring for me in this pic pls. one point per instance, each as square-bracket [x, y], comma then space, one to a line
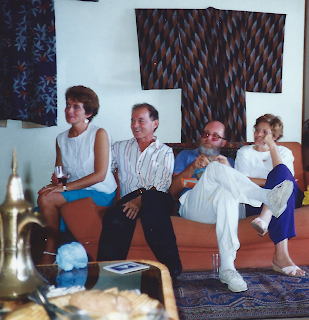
[86, 120]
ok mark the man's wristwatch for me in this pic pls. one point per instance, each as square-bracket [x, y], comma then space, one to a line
[64, 188]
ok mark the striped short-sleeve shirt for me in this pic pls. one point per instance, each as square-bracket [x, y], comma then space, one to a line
[151, 168]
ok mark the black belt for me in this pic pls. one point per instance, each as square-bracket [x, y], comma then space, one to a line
[139, 191]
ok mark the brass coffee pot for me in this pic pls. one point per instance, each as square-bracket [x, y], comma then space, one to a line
[18, 275]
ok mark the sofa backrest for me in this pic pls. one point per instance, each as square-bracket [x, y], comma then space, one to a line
[230, 150]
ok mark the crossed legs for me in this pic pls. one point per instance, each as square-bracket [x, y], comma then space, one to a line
[281, 229]
[215, 199]
[217, 206]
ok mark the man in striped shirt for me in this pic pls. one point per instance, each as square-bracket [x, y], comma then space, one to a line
[145, 168]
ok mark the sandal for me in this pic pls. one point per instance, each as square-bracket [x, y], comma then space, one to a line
[288, 271]
[260, 226]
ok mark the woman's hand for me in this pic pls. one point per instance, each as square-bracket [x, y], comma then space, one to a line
[133, 206]
[54, 180]
[268, 139]
[51, 189]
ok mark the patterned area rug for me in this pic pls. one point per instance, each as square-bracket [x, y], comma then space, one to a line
[200, 295]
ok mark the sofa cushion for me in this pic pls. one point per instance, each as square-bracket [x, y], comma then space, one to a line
[205, 234]
[185, 228]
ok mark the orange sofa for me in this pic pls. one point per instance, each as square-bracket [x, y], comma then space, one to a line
[197, 241]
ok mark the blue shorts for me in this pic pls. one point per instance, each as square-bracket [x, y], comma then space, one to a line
[100, 198]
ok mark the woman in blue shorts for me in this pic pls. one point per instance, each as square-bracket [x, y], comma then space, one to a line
[85, 151]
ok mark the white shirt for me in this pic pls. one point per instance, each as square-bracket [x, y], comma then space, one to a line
[256, 164]
[151, 168]
[77, 155]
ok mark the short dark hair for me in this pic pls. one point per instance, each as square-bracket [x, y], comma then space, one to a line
[153, 112]
[86, 96]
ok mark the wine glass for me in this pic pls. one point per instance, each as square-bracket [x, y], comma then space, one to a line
[61, 174]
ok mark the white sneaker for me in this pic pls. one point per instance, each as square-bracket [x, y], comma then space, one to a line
[233, 279]
[279, 196]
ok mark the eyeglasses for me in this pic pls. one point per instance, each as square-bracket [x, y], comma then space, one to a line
[263, 131]
[215, 136]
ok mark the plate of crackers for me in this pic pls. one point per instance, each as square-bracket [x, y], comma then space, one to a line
[110, 304]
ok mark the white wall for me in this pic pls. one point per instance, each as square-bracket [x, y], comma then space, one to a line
[97, 47]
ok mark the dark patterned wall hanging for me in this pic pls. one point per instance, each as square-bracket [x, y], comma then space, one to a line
[28, 89]
[214, 56]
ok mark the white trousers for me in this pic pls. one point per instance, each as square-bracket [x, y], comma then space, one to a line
[215, 199]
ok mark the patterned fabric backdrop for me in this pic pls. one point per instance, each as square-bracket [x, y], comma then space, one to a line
[28, 61]
[214, 56]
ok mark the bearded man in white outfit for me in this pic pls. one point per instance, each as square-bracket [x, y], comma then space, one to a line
[216, 196]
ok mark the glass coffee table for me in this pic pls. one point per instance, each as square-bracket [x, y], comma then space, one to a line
[154, 281]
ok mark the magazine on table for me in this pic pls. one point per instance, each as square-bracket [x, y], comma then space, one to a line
[126, 267]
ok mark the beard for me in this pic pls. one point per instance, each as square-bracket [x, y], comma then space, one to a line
[209, 152]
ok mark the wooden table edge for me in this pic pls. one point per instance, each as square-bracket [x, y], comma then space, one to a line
[167, 287]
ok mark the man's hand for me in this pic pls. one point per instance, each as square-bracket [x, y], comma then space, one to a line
[222, 159]
[133, 207]
[200, 162]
